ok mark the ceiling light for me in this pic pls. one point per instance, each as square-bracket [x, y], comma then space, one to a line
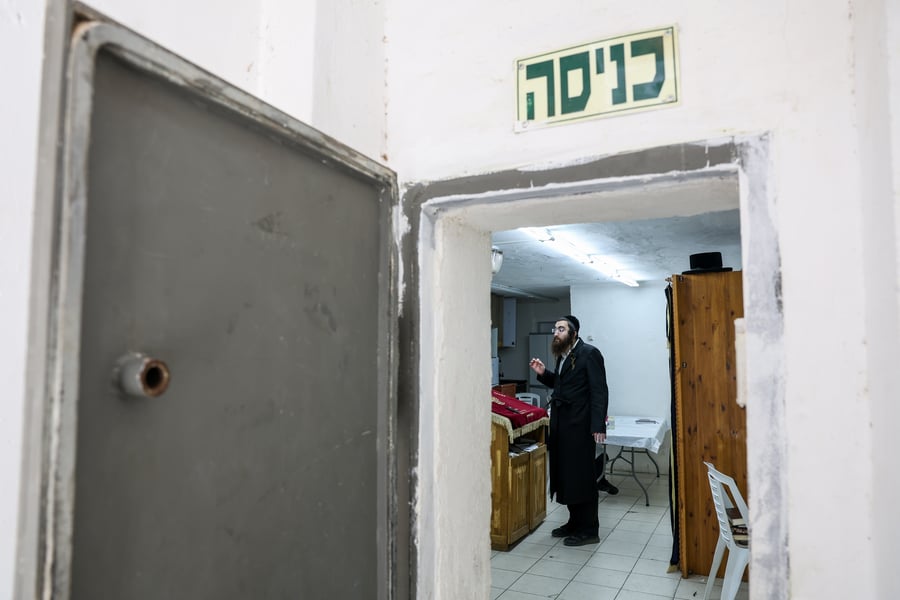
[541, 234]
[573, 247]
[496, 259]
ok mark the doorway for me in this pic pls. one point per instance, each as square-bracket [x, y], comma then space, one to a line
[451, 225]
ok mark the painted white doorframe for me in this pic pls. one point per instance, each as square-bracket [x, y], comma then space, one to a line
[452, 510]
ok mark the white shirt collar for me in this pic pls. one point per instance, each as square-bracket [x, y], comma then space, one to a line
[566, 355]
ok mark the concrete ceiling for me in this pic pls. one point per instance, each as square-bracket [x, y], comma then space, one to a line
[642, 250]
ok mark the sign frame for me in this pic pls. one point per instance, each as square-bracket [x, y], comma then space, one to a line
[644, 66]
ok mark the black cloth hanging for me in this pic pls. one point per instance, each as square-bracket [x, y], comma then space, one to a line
[673, 463]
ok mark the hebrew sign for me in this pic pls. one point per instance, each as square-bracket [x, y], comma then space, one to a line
[615, 76]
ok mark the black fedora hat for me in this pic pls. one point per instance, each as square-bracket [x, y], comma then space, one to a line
[706, 262]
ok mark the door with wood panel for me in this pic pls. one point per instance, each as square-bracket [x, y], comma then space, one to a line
[710, 426]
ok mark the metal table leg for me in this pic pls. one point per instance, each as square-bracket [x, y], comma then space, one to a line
[631, 462]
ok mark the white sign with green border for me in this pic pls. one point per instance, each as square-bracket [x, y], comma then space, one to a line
[615, 76]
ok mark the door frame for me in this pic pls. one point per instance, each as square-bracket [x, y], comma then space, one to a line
[449, 227]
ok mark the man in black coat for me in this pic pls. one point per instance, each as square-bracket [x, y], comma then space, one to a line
[577, 423]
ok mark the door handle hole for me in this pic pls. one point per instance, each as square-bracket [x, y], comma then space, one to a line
[155, 378]
[141, 376]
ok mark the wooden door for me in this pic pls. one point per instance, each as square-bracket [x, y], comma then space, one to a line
[710, 426]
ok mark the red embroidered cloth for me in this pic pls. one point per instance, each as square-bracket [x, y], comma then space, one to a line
[519, 413]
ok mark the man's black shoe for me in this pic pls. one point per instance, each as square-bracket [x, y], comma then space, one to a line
[580, 539]
[563, 531]
[604, 486]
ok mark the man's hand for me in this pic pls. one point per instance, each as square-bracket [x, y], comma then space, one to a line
[599, 438]
[537, 366]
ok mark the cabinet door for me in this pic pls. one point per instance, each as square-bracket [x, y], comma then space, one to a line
[499, 487]
[519, 485]
[537, 497]
[710, 426]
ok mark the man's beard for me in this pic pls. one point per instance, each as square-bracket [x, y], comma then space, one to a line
[559, 346]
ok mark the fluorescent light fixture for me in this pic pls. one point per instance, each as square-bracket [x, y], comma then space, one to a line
[569, 245]
[541, 234]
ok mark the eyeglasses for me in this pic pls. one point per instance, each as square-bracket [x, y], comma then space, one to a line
[560, 329]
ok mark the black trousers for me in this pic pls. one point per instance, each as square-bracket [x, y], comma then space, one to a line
[583, 517]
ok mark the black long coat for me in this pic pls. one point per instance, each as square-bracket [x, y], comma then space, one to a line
[580, 401]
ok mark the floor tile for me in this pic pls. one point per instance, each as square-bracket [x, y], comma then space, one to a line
[514, 595]
[693, 588]
[556, 518]
[619, 502]
[624, 548]
[608, 522]
[664, 527]
[643, 517]
[632, 595]
[650, 510]
[623, 535]
[612, 561]
[578, 555]
[657, 568]
[631, 562]
[502, 578]
[541, 538]
[657, 553]
[529, 549]
[555, 568]
[637, 526]
[611, 512]
[578, 590]
[648, 584]
[513, 563]
[539, 585]
[600, 576]
[661, 539]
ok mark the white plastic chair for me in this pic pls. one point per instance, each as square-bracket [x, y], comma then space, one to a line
[738, 553]
[530, 398]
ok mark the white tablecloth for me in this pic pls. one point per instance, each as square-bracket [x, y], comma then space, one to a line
[637, 432]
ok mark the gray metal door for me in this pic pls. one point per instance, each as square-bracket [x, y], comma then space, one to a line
[250, 256]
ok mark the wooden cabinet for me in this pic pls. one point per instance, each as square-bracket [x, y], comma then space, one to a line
[709, 425]
[518, 488]
[507, 389]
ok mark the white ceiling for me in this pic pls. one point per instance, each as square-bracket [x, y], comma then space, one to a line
[644, 250]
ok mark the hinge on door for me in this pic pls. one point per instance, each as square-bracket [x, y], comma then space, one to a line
[684, 365]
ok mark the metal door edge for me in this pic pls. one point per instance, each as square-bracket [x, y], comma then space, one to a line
[58, 476]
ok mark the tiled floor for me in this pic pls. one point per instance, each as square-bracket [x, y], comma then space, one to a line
[629, 563]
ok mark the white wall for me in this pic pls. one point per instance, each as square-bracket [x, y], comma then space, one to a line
[790, 70]
[628, 325]
[452, 77]
[21, 48]
[320, 62]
